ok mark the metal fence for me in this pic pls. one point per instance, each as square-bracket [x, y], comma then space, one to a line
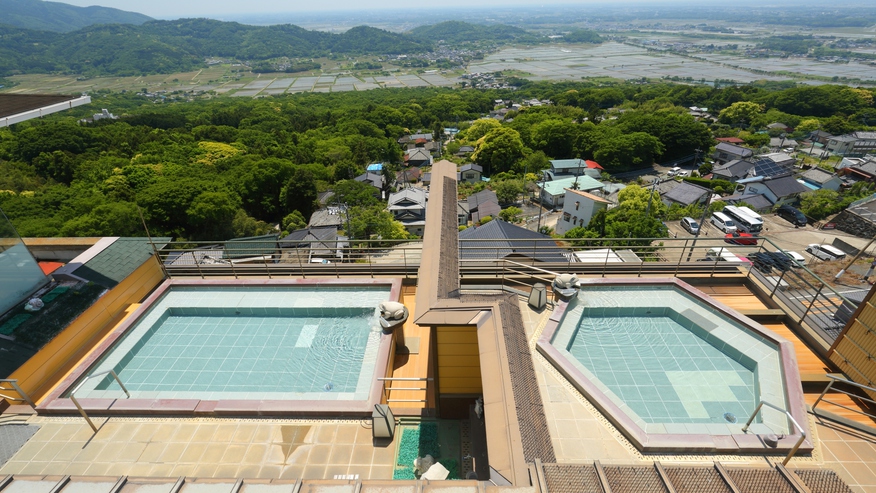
[805, 296]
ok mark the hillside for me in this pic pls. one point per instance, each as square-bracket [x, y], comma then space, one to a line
[458, 32]
[181, 45]
[61, 17]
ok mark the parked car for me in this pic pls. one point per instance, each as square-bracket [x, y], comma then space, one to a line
[691, 225]
[792, 215]
[798, 260]
[674, 171]
[825, 252]
[740, 238]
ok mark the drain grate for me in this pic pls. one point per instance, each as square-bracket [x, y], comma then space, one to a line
[730, 417]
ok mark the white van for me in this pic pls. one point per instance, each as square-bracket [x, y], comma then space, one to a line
[722, 222]
[825, 252]
[721, 254]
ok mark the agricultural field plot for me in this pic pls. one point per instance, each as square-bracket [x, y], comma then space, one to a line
[798, 65]
[412, 81]
[608, 60]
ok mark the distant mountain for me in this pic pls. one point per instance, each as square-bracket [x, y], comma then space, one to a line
[61, 17]
[458, 32]
[182, 45]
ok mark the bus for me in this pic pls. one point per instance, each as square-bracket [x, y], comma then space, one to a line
[750, 212]
[744, 221]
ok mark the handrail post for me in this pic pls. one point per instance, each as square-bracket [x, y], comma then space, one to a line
[817, 294]
[82, 412]
[779, 283]
[793, 422]
[89, 377]
[24, 397]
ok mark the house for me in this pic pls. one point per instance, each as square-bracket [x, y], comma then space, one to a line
[855, 144]
[551, 193]
[573, 167]
[686, 193]
[778, 159]
[778, 190]
[306, 244]
[781, 127]
[822, 179]
[462, 212]
[408, 175]
[733, 170]
[483, 204]
[820, 137]
[578, 209]
[427, 179]
[373, 179]
[778, 143]
[725, 152]
[407, 139]
[470, 173]
[408, 206]
[418, 157]
[731, 140]
[758, 202]
[859, 169]
[464, 151]
[499, 239]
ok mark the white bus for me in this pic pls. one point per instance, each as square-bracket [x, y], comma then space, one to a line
[744, 221]
[750, 212]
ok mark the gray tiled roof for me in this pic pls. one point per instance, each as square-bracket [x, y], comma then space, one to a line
[818, 175]
[687, 193]
[758, 202]
[785, 186]
[737, 168]
[252, 246]
[734, 149]
[499, 239]
[118, 260]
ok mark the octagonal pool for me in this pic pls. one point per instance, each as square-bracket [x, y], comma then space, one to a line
[672, 368]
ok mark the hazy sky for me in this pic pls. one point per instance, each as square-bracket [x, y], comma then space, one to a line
[174, 9]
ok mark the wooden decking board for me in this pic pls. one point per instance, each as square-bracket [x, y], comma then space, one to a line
[412, 365]
[843, 400]
[810, 364]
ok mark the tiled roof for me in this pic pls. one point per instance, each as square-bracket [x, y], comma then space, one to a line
[687, 193]
[499, 239]
[118, 260]
[13, 104]
[733, 169]
[589, 196]
[472, 167]
[757, 202]
[484, 196]
[734, 149]
[784, 186]
[252, 246]
[818, 175]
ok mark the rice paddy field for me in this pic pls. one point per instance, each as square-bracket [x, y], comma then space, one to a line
[549, 62]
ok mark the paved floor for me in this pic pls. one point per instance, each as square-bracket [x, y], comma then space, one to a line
[211, 448]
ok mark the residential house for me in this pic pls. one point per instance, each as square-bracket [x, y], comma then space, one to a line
[427, 179]
[408, 206]
[733, 170]
[778, 190]
[855, 144]
[779, 143]
[731, 140]
[778, 158]
[470, 173]
[418, 157]
[307, 244]
[820, 137]
[407, 139]
[686, 193]
[859, 169]
[408, 175]
[552, 193]
[821, 179]
[578, 209]
[464, 151]
[573, 167]
[725, 153]
[483, 204]
[757, 202]
[499, 239]
[262, 248]
[781, 127]
[373, 179]
[462, 212]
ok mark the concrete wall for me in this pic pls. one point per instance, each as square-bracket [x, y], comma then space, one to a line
[49, 366]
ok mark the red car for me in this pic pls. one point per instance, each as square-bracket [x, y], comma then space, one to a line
[737, 238]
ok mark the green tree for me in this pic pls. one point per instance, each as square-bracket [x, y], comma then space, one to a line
[374, 222]
[111, 219]
[511, 214]
[211, 215]
[740, 112]
[628, 151]
[819, 204]
[244, 225]
[299, 194]
[498, 150]
[354, 193]
[293, 222]
[507, 191]
[479, 128]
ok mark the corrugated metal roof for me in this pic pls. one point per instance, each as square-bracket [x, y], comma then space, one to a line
[558, 187]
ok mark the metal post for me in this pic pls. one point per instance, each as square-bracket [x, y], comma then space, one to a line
[817, 294]
[826, 390]
[779, 283]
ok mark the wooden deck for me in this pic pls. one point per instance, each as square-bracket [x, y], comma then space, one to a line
[411, 360]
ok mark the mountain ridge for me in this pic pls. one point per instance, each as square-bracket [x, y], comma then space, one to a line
[61, 17]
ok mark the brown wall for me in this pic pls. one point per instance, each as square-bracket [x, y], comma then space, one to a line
[459, 367]
[855, 349]
[49, 366]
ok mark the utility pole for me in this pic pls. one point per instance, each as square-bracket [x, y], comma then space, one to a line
[702, 221]
[540, 207]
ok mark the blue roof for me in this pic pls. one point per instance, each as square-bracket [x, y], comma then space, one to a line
[375, 167]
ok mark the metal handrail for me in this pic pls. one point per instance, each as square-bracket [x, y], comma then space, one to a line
[405, 379]
[836, 378]
[89, 377]
[14, 382]
[791, 418]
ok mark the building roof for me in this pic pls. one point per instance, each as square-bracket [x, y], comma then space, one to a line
[818, 175]
[484, 196]
[784, 186]
[373, 179]
[687, 193]
[331, 216]
[471, 167]
[414, 196]
[558, 187]
[418, 154]
[251, 246]
[734, 149]
[499, 239]
[569, 164]
[15, 108]
[586, 195]
[767, 167]
[374, 167]
[730, 140]
[486, 209]
[736, 168]
[780, 142]
[758, 202]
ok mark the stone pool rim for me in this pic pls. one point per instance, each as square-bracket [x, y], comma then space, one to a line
[55, 403]
[684, 443]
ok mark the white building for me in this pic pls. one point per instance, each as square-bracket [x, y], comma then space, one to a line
[579, 207]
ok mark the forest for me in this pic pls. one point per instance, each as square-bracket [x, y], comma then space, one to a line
[231, 167]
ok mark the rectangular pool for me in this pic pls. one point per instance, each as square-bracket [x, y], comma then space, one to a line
[245, 345]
